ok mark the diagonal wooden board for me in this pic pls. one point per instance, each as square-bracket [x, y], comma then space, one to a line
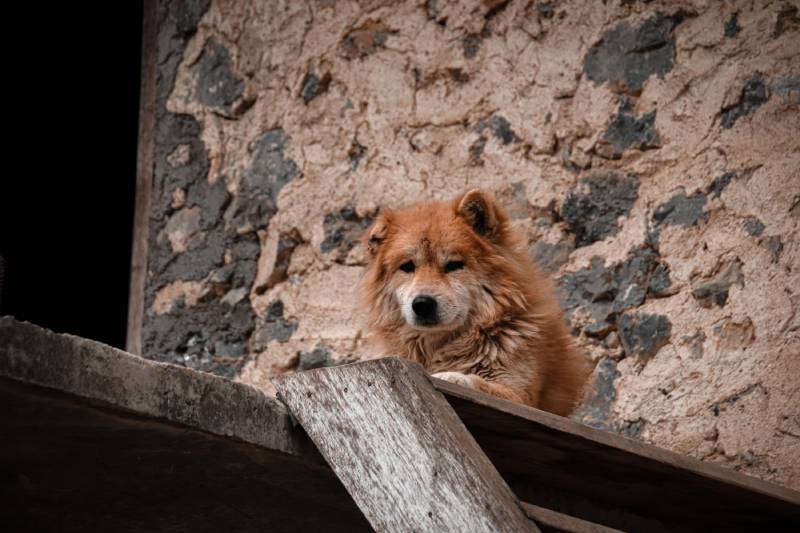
[400, 450]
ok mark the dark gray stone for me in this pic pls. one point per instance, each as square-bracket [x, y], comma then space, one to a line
[632, 430]
[599, 329]
[269, 171]
[189, 336]
[192, 336]
[245, 250]
[643, 334]
[274, 311]
[173, 131]
[774, 245]
[596, 409]
[280, 330]
[343, 229]
[714, 290]
[546, 9]
[753, 226]
[681, 210]
[587, 286]
[753, 95]
[476, 150]
[229, 349]
[273, 327]
[660, 284]
[720, 183]
[472, 44]
[626, 56]
[211, 199]
[732, 27]
[314, 86]
[217, 85]
[319, 357]
[591, 210]
[193, 264]
[500, 127]
[606, 292]
[206, 252]
[626, 131]
[787, 87]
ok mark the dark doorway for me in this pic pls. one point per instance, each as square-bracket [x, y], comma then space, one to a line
[67, 196]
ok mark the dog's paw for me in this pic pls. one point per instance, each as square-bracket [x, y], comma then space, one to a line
[466, 380]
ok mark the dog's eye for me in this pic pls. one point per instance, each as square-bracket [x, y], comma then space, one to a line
[453, 265]
[408, 266]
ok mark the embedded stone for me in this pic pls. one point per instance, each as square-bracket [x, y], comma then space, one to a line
[753, 95]
[627, 56]
[643, 334]
[715, 289]
[592, 208]
[681, 210]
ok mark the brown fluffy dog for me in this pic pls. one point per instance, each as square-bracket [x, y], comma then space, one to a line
[450, 286]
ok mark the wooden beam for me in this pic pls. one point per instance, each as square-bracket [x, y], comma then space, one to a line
[94, 439]
[595, 475]
[96, 372]
[144, 177]
[399, 449]
[551, 521]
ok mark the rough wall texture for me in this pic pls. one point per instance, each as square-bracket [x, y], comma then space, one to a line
[649, 150]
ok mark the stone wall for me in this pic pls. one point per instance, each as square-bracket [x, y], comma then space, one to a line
[649, 150]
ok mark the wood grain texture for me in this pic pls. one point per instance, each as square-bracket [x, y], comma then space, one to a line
[400, 450]
[144, 178]
[559, 464]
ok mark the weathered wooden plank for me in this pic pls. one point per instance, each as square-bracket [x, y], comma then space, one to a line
[91, 370]
[144, 177]
[559, 464]
[551, 521]
[95, 439]
[400, 450]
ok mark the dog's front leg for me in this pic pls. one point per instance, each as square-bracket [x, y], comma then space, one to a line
[476, 382]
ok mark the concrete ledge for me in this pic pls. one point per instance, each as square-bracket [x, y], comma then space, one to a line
[91, 370]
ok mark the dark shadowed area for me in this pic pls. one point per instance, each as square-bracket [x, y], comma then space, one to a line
[66, 201]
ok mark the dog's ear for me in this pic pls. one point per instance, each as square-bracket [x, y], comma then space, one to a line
[377, 233]
[480, 212]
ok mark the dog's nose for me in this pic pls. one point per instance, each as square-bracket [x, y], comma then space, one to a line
[425, 308]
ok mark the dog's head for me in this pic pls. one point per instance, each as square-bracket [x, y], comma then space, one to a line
[436, 265]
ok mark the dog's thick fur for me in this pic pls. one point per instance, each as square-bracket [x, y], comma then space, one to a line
[496, 325]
